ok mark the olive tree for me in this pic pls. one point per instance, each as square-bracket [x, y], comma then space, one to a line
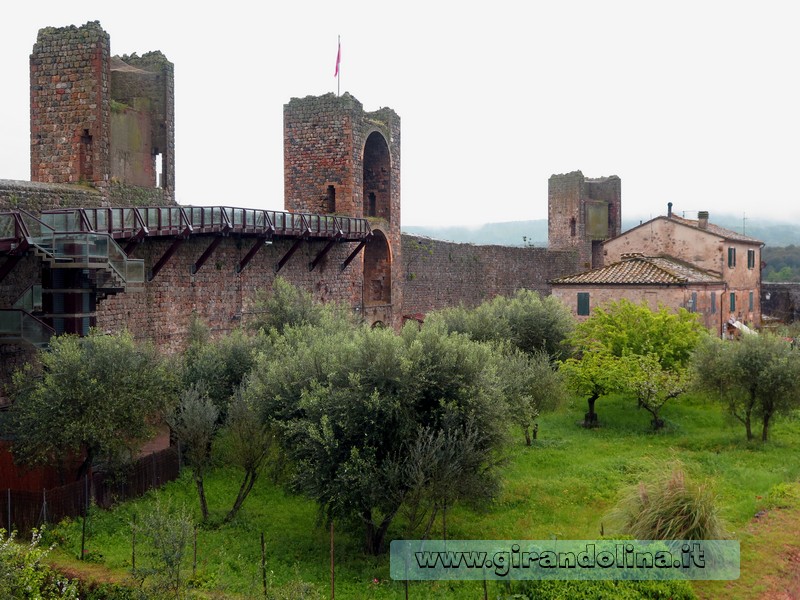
[99, 397]
[755, 377]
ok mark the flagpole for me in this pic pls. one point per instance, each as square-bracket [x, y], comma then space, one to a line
[338, 60]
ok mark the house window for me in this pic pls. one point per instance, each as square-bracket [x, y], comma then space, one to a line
[751, 259]
[731, 257]
[693, 303]
[751, 301]
[713, 302]
[583, 304]
[733, 302]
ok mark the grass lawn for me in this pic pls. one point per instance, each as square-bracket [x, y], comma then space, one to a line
[563, 486]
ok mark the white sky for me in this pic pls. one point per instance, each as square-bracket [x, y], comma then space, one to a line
[694, 102]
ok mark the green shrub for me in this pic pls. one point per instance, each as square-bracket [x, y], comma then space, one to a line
[23, 576]
[599, 590]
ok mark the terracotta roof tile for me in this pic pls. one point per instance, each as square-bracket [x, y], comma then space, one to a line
[642, 270]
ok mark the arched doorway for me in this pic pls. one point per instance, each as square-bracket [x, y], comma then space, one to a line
[377, 271]
[377, 191]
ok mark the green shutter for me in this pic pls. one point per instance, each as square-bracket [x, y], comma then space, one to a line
[733, 302]
[583, 303]
[731, 257]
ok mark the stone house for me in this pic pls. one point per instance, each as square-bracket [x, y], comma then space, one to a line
[677, 262]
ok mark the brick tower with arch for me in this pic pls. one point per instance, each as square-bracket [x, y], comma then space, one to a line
[341, 160]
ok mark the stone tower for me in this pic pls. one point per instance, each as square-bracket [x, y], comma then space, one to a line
[340, 160]
[100, 120]
[582, 214]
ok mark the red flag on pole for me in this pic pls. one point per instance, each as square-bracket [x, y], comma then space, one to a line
[338, 58]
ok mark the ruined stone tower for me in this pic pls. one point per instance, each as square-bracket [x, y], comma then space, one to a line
[340, 160]
[582, 213]
[100, 120]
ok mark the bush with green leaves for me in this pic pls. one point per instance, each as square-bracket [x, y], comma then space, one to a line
[23, 573]
[526, 320]
[598, 590]
[99, 396]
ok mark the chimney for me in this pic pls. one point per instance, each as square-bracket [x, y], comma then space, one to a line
[702, 219]
[669, 210]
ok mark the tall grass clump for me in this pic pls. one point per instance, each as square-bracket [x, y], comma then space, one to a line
[670, 507]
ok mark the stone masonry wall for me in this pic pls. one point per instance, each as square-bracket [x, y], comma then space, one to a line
[69, 71]
[437, 274]
[35, 197]
[161, 312]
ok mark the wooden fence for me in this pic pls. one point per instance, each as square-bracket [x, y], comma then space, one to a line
[25, 510]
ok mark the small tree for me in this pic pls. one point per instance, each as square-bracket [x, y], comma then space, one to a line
[166, 532]
[531, 386]
[99, 395]
[194, 423]
[623, 328]
[652, 385]
[594, 375]
[250, 443]
[756, 377]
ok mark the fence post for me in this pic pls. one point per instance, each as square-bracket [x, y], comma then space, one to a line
[44, 505]
[263, 564]
[85, 512]
[9, 511]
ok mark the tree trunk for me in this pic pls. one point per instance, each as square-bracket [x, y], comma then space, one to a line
[590, 418]
[431, 520]
[201, 492]
[374, 536]
[748, 427]
[765, 427]
[655, 422]
[86, 465]
[527, 435]
[244, 489]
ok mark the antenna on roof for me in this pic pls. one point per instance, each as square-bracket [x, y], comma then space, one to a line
[744, 221]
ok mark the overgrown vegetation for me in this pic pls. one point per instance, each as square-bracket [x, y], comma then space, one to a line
[419, 434]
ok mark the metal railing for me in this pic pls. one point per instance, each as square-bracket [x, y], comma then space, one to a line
[176, 220]
[16, 325]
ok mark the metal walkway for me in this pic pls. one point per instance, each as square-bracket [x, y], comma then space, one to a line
[89, 240]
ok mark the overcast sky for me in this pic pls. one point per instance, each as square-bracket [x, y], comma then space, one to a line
[696, 102]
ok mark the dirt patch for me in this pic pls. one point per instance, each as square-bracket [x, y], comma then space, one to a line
[770, 531]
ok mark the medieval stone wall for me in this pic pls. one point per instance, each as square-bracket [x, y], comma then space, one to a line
[438, 274]
[162, 310]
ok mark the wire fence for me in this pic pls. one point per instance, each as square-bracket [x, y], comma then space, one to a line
[25, 510]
